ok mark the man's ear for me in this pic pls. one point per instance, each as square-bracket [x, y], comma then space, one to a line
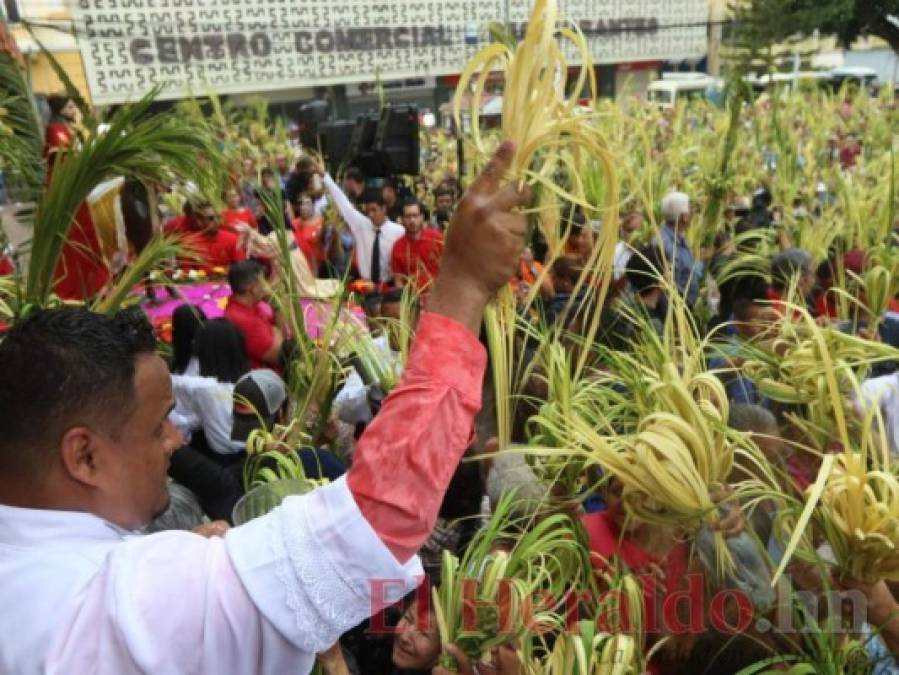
[79, 454]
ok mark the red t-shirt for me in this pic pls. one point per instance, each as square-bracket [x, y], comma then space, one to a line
[233, 217]
[418, 259]
[217, 250]
[308, 235]
[258, 331]
[177, 225]
[826, 305]
[6, 266]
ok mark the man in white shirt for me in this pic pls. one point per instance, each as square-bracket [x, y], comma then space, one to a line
[85, 442]
[630, 225]
[373, 233]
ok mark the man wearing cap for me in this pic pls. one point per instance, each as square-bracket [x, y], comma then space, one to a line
[688, 274]
[227, 413]
[258, 397]
[85, 442]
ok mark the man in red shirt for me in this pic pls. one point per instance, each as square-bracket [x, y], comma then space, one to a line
[416, 256]
[236, 214]
[213, 245]
[263, 340]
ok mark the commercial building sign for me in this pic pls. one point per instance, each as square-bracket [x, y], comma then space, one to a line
[237, 46]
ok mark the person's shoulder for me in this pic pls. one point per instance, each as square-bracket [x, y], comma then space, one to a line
[227, 235]
[395, 228]
[432, 234]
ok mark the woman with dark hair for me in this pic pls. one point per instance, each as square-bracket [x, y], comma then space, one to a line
[204, 402]
[204, 413]
[220, 351]
[186, 323]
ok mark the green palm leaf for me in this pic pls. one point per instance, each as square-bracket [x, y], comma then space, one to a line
[159, 148]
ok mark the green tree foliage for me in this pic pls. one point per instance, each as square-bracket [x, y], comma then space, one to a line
[845, 19]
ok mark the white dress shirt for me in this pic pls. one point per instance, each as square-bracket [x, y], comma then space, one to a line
[883, 392]
[363, 231]
[623, 253]
[82, 596]
[207, 404]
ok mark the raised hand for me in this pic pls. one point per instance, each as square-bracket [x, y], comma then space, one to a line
[483, 243]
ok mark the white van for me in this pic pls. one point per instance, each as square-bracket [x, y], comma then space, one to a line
[672, 87]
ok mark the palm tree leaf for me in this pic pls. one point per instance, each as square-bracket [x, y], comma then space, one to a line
[87, 113]
[159, 250]
[162, 149]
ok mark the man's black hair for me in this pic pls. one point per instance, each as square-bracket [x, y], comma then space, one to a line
[373, 197]
[567, 268]
[414, 202]
[242, 275]
[354, 173]
[64, 368]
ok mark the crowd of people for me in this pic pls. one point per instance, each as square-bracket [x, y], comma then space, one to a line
[107, 439]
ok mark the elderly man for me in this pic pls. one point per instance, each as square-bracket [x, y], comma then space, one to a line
[688, 274]
[85, 441]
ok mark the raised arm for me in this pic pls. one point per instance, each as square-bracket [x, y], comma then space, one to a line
[406, 458]
[287, 585]
[355, 220]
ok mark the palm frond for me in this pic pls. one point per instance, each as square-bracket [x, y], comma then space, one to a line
[159, 148]
[159, 250]
[21, 139]
[87, 112]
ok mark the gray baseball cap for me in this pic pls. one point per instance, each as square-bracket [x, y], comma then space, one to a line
[258, 396]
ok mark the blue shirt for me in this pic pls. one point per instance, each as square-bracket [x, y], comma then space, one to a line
[739, 388]
[687, 273]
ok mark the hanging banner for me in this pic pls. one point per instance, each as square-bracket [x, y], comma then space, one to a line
[236, 46]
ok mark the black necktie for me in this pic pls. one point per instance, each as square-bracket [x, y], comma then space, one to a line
[376, 258]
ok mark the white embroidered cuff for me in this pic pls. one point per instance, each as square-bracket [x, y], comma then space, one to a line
[315, 568]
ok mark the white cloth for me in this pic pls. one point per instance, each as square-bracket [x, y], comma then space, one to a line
[623, 253]
[207, 404]
[363, 231]
[884, 392]
[351, 402]
[320, 206]
[82, 596]
[193, 366]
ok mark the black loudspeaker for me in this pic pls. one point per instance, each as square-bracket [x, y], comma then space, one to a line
[396, 139]
[362, 146]
[335, 139]
[310, 115]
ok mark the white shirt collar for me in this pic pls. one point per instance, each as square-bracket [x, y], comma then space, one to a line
[35, 527]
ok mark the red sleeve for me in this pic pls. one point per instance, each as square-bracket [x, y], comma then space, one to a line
[408, 454]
